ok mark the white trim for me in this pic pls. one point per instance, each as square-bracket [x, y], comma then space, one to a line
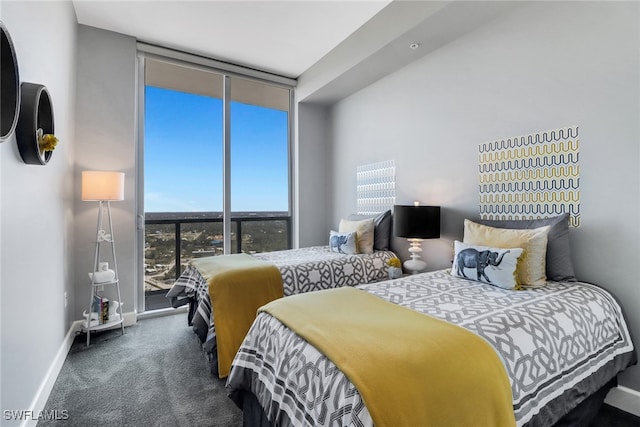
[292, 160]
[163, 312]
[138, 176]
[130, 318]
[625, 399]
[226, 165]
[42, 395]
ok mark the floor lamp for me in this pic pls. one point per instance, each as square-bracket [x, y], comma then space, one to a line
[103, 187]
[416, 223]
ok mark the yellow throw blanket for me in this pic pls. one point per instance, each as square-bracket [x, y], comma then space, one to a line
[238, 285]
[410, 369]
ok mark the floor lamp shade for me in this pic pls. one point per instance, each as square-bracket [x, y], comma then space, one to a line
[416, 222]
[102, 185]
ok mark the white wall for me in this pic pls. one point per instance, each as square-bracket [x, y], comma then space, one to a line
[37, 209]
[544, 66]
[106, 134]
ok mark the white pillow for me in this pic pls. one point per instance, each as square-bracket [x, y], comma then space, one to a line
[364, 233]
[344, 243]
[495, 266]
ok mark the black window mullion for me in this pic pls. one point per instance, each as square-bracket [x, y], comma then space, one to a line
[178, 249]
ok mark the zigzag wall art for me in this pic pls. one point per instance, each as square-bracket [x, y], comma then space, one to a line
[376, 187]
[533, 176]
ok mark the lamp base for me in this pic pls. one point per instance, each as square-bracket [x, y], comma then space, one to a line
[414, 266]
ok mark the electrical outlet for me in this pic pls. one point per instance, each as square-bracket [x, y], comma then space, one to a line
[66, 300]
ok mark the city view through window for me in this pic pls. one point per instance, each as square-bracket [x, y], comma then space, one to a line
[183, 180]
[205, 239]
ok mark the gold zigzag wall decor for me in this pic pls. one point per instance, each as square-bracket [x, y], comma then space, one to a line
[533, 176]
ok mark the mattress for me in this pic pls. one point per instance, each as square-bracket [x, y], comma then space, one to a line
[559, 344]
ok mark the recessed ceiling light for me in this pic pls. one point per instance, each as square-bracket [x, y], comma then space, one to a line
[414, 46]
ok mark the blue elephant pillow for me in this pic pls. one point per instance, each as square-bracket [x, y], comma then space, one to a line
[343, 243]
[495, 266]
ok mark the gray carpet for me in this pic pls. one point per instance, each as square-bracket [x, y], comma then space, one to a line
[153, 375]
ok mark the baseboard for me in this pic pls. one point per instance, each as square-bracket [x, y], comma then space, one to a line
[42, 395]
[163, 312]
[50, 378]
[130, 318]
[625, 399]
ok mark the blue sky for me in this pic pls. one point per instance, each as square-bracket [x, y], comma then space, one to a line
[183, 154]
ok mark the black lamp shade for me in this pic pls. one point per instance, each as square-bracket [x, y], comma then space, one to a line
[416, 222]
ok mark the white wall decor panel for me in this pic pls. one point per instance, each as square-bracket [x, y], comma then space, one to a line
[376, 187]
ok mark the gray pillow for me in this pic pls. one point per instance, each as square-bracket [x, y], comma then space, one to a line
[381, 229]
[559, 265]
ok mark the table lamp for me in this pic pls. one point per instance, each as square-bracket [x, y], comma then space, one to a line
[416, 223]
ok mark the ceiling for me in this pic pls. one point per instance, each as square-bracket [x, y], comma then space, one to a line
[281, 37]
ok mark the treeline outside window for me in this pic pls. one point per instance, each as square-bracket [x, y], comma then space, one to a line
[184, 168]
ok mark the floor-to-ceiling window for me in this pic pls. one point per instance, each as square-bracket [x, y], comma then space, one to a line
[192, 117]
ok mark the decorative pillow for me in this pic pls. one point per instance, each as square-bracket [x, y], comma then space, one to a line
[531, 270]
[364, 233]
[495, 266]
[381, 229]
[344, 243]
[559, 265]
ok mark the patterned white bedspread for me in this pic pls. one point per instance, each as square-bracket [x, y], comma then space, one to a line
[558, 343]
[303, 270]
[315, 268]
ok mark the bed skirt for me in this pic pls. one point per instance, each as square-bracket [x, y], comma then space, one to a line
[582, 415]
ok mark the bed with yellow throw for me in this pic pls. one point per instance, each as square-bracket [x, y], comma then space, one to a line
[463, 370]
[358, 253]
[238, 285]
[530, 356]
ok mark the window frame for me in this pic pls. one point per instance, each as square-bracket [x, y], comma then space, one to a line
[227, 71]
